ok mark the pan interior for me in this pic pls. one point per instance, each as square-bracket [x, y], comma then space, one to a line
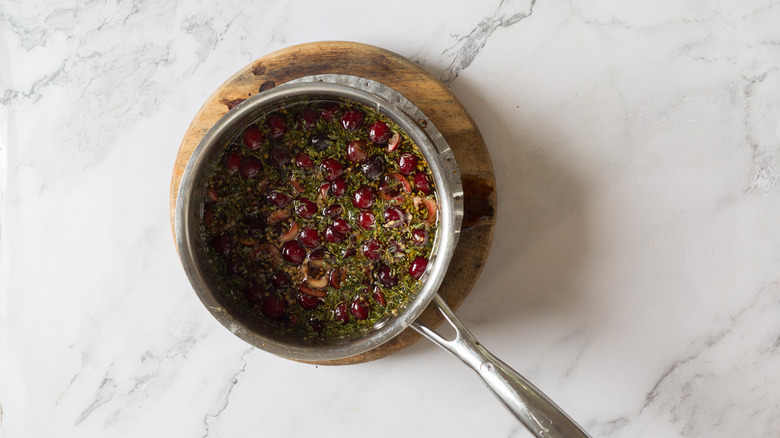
[234, 314]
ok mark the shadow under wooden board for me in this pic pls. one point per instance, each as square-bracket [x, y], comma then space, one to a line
[430, 95]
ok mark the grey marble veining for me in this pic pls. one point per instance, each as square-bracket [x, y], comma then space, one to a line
[633, 276]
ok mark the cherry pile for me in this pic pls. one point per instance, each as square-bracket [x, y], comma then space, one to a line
[321, 217]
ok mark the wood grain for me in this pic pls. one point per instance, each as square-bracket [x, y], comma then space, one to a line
[429, 94]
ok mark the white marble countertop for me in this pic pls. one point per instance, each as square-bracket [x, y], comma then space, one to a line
[635, 274]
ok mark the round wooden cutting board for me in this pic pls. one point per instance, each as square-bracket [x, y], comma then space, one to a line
[430, 95]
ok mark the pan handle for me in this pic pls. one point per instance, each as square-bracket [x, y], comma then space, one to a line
[540, 415]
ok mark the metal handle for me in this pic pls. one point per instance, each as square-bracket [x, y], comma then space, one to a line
[535, 410]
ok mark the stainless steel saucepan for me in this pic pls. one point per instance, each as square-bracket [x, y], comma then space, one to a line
[534, 409]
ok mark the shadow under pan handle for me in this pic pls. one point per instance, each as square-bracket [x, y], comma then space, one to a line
[534, 409]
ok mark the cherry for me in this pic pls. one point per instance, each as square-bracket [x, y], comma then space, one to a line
[278, 199]
[306, 208]
[317, 254]
[254, 226]
[332, 235]
[394, 142]
[316, 325]
[366, 219]
[379, 132]
[277, 125]
[420, 237]
[329, 111]
[340, 313]
[379, 296]
[279, 156]
[222, 244]
[363, 197]
[340, 225]
[304, 161]
[235, 266]
[310, 237]
[308, 302]
[356, 151]
[331, 168]
[250, 166]
[332, 210]
[324, 190]
[293, 253]
[360, 308]
[253, 138]
[422, 183]
[417, 268]
[373, 167]
[407, 163]
[351, 120]
[371, 250]
[308, 118]
[394, 217]
[321, 141]
[254, 293]
[279, 280]
[274, 307]
[338, 187]
[385, 276]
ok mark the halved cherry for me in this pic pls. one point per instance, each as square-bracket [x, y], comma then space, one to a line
[277, 125]
[304, 161]
[407, 163]
[363, 197]
[351, 120]
[422, 183]
[379, 132]
[356, 151]
[254, 293]
[371, 249]
[278, 199]
[308, 118]
[393, 142]
[360, 308]
[340, 313]
[293, 253]
[417, 268]
[305, 208]
[249, 167]
[331, 169]
[338, 187]
[341, 225]
[308, 302]
[366, 219]
[310, 237]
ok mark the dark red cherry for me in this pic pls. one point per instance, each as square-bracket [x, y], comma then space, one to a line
[379, 132]
[338, 187]
[360, 308]
[422, 183]
[279, 280]
[341, 225]
[310, 237]
[407, 163]
[293, 253]
[385, 276]
[321, 141]
[351, 120]
[394, 217]
[373, 167]
[304, 161]
[341, 314]
[278, 199]
[277, 126]
[317, 254]
[235, 266]
[379, 296]
[222, 244]
[250, 166]
[279, 157]
[254, 293]
[332, 210]
[366, 219]
[371, 250]
[308, 118]
[274, 307]
[316, 325]
[305, 208]
[417, 268]
[332, 235]
[331, 169]
[356, 151]
[394, 142]
[308, 302]
[420, 237]
[363, 197]
[329, 111]
[233, 161]
[253, 138]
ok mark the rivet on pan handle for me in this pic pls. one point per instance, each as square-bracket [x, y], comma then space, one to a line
[540, 415]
